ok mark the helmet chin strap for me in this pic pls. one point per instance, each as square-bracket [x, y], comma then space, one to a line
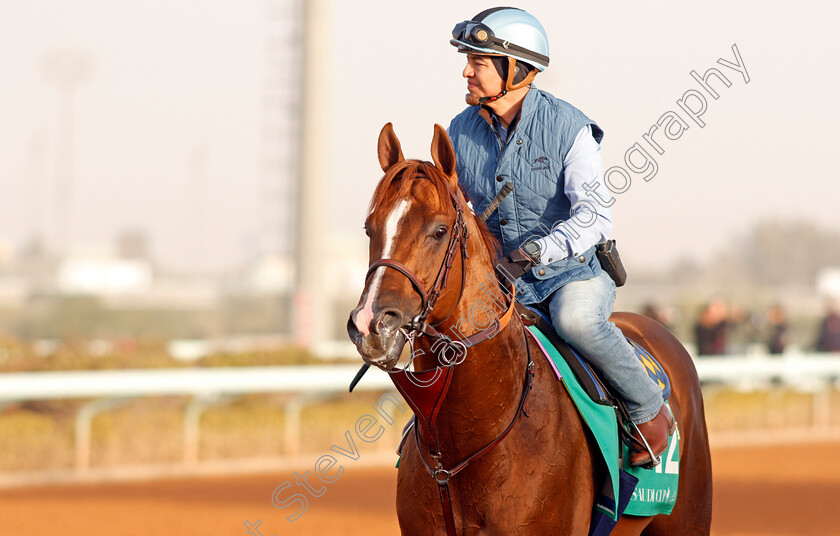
[472, 100]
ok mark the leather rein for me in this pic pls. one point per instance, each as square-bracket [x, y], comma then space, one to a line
[424, 391]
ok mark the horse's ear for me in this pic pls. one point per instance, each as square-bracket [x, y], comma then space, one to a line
[389, 148]
[443, 154]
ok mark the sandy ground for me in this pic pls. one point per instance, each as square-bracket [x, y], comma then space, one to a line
[768, 490]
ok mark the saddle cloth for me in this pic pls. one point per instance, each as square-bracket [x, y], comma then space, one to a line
[651, 491]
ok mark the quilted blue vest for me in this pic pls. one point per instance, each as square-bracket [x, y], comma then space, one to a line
[533, 160]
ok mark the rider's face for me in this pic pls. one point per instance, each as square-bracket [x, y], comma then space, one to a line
[482, 78]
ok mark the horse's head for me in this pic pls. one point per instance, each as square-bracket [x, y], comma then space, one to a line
[417, 214]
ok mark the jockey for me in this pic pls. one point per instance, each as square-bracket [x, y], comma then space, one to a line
[559, 210]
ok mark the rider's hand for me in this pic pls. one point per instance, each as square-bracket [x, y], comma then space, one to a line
[514, 266]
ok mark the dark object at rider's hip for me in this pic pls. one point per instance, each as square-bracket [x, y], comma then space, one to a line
[610, 261]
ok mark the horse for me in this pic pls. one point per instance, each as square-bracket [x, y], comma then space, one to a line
[525, 465]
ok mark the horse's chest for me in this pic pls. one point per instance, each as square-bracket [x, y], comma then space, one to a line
[500, 496]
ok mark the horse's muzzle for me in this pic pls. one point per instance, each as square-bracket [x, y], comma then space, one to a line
[381, 342]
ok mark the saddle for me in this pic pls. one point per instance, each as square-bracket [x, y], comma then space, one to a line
[588, 376]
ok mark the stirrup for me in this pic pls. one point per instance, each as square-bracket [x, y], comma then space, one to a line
[629, 438]
[654, 459]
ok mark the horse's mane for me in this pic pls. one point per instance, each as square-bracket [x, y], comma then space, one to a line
[408, 172]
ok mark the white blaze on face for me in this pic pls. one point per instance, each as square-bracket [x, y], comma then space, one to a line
[392, 226]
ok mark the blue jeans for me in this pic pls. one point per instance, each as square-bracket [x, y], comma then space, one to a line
[579, 312]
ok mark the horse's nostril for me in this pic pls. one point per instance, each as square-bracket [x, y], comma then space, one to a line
[352, 331]
[387, 319]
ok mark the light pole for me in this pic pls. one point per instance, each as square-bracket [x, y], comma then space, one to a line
[66, 68]
[312, 306]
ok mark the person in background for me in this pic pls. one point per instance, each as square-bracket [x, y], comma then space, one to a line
[666, 315]
[712, 328]
[828, 339]
[779, 335]
[652, 311]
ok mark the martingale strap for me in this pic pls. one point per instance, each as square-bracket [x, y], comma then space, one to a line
[442, 475]
[488, 333]
[425, 390]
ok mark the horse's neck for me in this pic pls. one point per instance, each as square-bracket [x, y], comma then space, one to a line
[487, 386]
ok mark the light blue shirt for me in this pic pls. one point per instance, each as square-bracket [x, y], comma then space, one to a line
[582, 165]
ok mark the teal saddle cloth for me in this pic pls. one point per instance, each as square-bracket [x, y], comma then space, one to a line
[656, 490]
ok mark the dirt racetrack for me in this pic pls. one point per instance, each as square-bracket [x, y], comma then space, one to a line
[770, 490]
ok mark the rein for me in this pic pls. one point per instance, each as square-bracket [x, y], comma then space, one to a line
[424, 391]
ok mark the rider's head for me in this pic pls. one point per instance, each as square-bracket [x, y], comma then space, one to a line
[512, 39]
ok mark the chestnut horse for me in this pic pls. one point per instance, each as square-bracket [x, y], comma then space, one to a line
[541, 477]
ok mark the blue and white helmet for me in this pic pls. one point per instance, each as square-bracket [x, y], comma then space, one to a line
[505, 31]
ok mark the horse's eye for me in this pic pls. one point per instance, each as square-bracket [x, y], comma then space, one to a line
[440, 233]
[367, 231]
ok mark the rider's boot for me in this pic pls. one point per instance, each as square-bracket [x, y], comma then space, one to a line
[656, 432]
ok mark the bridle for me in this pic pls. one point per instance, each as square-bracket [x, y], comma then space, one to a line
[458, 236]
[419, 325]
[425, 397]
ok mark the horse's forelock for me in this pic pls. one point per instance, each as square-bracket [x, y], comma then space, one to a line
[401, 177]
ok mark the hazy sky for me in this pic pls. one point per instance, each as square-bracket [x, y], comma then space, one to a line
[173, 80]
